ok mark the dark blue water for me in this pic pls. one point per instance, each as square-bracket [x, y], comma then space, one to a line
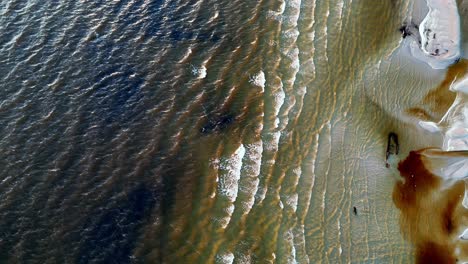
[87, 109]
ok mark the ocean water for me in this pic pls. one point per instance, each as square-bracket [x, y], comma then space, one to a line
[151, 131]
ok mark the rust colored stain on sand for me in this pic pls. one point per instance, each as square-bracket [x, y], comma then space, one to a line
[439, 100]
[429, 213]
[434, 253]
[418, 181]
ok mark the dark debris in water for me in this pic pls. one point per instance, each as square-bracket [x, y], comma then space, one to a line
[217, 124]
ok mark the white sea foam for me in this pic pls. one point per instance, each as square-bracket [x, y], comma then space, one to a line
[242, 258]
[292, 11]
[225, 258]
[277, 15]
[254, 154]
[291, 34]
[224, 221]
[250, 172]
[200, 72]
[296, 4]
[259, 80]
[291, 201]
[276, 123]
[261, 194]
[289, 240]
[229, 180]
[228, 183]
[273, 15]
[272, 142]
[278, 100]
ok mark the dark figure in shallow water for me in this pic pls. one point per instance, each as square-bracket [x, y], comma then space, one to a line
[217, 124]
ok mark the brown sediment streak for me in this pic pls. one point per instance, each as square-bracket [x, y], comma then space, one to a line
[439, 100]
[419, 113]
[432, 215]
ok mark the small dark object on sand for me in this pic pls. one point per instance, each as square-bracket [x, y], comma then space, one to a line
[392, 147]
[404, 31]
[354, 210]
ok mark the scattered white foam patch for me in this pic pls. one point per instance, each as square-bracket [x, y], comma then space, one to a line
[259, 80]
[277, 122]
[276, 15]
[227, 219]
[228, 181]
[278, 100]
[295, 4]
[339, 11]
[289, 241]
[273, 15]
[254, 153]
[200, 72]
[291, 34]
[300, 243]
[224, 221]
[261, 193]
[440, 35]
[297, 175]
[292, 11]
[248, 203]
[242, 258]
[272, 141]
[293, 55]
[285, 111]
[291, 201]
[228, 184]
[225, 258]
[251, 170]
